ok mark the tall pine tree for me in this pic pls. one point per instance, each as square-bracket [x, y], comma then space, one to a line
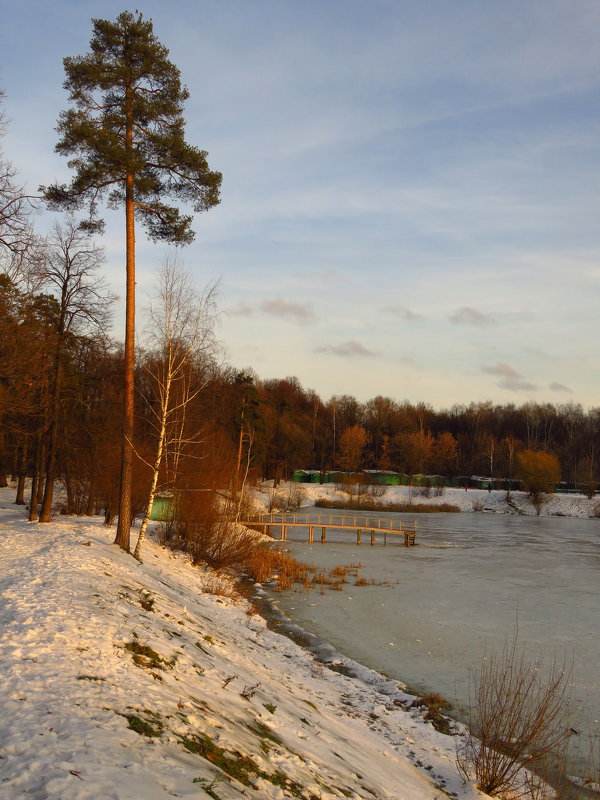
[124, 135]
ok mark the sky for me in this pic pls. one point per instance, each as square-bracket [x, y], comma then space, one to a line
[411, 193]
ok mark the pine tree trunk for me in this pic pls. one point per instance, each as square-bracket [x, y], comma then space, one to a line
[71, 510]
[33, 502]
[52, 446]
[3, 469]
[20, 498]
[123, 526]
[40, 468]
[89, 507]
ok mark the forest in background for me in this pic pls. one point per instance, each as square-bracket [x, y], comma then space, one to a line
[60, 392]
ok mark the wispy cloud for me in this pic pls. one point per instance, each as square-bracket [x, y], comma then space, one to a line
[293, 312]
[349, 349]
[471, 316]
[509, 378]
[535, 351]
[289, 311]
[403, 313]
[241, 310]
[560, 387]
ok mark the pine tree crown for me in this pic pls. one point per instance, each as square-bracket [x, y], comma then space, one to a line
[126, 120]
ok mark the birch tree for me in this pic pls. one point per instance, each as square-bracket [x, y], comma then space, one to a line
[181, 328]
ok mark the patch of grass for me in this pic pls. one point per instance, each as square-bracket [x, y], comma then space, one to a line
[270, 707]
[265, 732]
[281, 779]
[248, 692]
[209, 788]
[143, 727]
[147, 601]
[235, 764]
[145, 656]
[208, 638]
[435, 704]
[90, 678]
[311, 704]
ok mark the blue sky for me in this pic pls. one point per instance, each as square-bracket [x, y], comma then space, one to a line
[411, 190]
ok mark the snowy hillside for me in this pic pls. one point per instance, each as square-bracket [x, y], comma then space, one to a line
[122, 681]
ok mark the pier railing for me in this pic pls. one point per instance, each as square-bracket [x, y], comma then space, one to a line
[268, 523]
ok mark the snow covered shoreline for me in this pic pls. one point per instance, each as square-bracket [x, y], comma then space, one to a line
[98, 651]
[473, 500]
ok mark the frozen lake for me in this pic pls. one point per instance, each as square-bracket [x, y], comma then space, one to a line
[459, 592]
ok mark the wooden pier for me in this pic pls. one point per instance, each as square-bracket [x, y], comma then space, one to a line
[362, 525]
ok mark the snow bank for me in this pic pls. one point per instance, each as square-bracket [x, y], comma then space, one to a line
[122, 681]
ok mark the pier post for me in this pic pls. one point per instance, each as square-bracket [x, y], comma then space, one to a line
[323, 535]
[311, 534]
[283, 533]
[372, 538]
[384, 539]
[358, 535]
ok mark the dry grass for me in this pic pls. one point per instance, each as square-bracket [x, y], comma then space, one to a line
[266, 562]
[366, 504]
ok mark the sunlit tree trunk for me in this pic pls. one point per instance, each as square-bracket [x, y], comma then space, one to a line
[125, 485]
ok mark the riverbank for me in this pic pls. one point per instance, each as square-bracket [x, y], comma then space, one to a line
[472, 500]
[429, 614]
[122, 680]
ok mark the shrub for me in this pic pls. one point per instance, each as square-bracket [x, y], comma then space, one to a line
[377, 490]
[286, 500]
[539, 471]
[203, 528]
[517, 718]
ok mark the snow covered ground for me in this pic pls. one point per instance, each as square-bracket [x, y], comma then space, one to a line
[127, 681]
[479, 500]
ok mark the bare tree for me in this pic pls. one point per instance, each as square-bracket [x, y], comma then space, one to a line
[16, 232]
[70, 271]
[181, 330]
[509, 443]
[519, 717]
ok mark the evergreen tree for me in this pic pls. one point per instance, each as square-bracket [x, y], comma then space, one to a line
[125, 138]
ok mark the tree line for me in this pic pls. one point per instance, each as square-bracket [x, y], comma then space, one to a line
[202, 425]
